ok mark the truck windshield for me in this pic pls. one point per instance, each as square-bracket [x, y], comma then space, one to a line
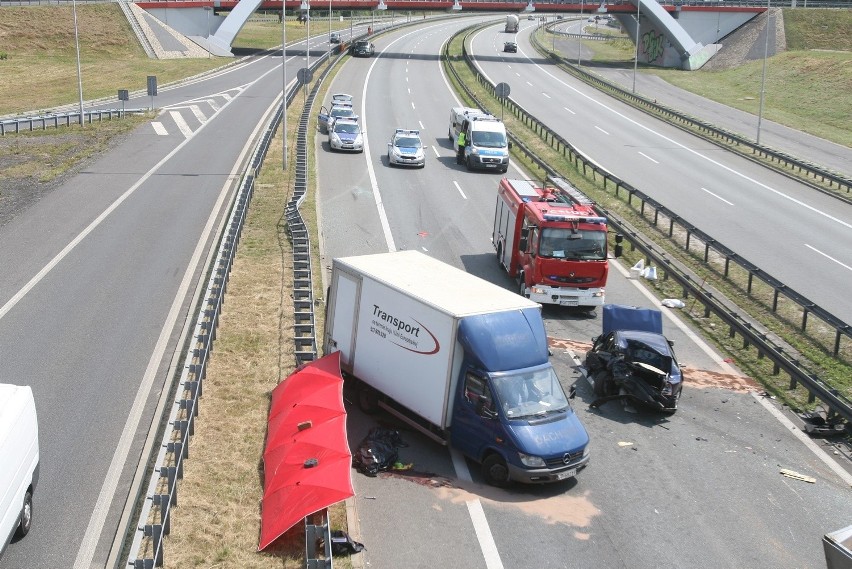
[488, 139]
[530, 393]
[565, 244]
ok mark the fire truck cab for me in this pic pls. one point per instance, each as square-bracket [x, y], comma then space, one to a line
[553, 241]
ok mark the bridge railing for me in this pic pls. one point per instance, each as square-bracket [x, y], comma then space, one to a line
[738, 322]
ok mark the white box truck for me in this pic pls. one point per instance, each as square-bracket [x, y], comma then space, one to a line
[459, 358]
[19, 461]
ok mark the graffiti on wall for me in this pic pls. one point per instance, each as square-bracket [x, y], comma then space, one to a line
[652, 45]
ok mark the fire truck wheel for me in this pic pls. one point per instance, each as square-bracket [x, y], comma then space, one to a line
[522, 286]
[499, 255]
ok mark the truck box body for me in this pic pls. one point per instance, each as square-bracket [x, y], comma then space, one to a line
[19, 460]
[410, 328]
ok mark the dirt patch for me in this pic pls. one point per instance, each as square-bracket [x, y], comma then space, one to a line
[693, 377]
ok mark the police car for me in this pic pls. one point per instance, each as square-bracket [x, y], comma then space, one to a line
[406, 149]
[345, 134]
[338, 110]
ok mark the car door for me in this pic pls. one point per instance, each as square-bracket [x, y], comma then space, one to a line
[323, 118]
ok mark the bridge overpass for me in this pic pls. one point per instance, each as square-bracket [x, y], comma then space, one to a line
[681, 35]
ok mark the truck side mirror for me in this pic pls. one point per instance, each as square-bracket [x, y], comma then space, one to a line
[619, 248]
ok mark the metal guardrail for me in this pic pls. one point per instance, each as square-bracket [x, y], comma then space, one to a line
[147, 547]
[736, 319]
[55, 120]
[779, 160]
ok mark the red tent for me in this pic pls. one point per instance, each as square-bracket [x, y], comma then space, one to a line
[307, 463]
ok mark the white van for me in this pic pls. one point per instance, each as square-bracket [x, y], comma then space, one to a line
[457, 117]
[486, 144]
[20, 461]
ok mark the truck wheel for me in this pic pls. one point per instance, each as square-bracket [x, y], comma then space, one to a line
[522, 287]
[499, 255]
[368, 400]
[26, 516]
[468, 164]
[495, 471]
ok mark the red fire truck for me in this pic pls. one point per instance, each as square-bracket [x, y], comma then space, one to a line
[553, 241]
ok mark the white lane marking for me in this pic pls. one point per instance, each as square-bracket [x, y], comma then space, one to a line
[518, 74]
[159, 128]
[828, 257]
[198, 114]
[648, 157]
[181, 124]
[693, 151]
[530, 84]
[435, 150]
[546, 95]
[412, 105]
[459, 189]
[483, 535]
[409, 90]
[421, 124]
[806, 440]
[602, 130]
[213, 104]
[716, 196]
[569, 110]
[99, 513]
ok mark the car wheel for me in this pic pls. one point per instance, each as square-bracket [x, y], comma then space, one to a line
[26, 516]
[522, 285]
[599, 383]
[450, 136]
[495, 471]
[504, 170]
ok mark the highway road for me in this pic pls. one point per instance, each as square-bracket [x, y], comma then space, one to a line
[699, 489]
[792, 232]
[96, 288]
[96, 291]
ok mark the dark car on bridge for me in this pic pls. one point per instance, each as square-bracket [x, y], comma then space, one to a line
[362, 48]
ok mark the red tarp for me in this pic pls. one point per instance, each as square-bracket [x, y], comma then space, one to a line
[292, 488]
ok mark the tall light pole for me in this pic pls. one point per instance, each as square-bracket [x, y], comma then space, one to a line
[763, 77]
[77, 47]
[636, 57]
[580, 39]
[209, 9]
[329, 30]
[284, 84]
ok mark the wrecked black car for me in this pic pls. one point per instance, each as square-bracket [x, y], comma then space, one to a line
[633, 361]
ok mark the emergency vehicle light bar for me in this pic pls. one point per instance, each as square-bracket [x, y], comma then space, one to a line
[578, 218]
[407, 131]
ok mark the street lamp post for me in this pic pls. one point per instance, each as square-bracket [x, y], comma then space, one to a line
[636, 57]
[209, 9]
[329, 30]
[580, 39]
[77, 47]
[284, 85]
[763, 76]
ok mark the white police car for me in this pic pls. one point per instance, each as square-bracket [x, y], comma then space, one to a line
[406, 149]
[345, 134]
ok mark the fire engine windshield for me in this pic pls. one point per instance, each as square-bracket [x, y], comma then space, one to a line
[568, 244]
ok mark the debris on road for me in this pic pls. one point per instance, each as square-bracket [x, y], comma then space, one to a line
[796, 476]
